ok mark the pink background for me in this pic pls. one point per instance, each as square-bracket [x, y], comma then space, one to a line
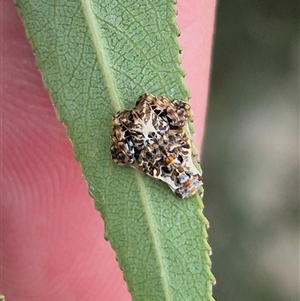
[52, 236]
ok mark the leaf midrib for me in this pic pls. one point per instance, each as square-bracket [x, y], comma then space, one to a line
[118, 105]
[101, 54]
[155, 238]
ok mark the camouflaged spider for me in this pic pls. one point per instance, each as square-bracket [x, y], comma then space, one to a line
[154, 138]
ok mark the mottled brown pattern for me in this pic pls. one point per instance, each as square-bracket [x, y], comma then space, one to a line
[153, 138]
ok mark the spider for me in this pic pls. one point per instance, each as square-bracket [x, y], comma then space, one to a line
[154, 138]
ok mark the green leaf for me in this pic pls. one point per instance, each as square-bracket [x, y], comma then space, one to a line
[97, 57]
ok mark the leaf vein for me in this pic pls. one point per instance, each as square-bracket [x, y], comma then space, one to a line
[153, 232]
[101, 54]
